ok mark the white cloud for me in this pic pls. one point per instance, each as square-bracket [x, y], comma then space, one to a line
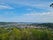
[30, 17]
[39, 14]
[5, 7]
[37, 17]
[33, 3]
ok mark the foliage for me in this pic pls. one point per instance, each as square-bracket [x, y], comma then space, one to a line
[25, 34]
[51, 5]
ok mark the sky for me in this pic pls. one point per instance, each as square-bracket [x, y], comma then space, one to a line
[26, 11]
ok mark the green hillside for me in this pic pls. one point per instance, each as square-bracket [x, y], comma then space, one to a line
[15, 33]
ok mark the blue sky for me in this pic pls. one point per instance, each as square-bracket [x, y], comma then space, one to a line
[26, 11]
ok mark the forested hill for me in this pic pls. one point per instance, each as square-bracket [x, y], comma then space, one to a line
[49, 25]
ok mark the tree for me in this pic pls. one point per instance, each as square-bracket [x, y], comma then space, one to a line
[51, 5]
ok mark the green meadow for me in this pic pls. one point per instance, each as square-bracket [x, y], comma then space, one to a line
[15, 33]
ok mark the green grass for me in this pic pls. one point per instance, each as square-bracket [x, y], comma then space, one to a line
[25, 34]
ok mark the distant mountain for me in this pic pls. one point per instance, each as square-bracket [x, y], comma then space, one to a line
[11, 24]
[4, 23]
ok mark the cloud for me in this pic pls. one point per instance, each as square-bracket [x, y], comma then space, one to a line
[30, 17]
[39, 14]
[33, 3]
[5, 7]
[37, 17]
[27, 17]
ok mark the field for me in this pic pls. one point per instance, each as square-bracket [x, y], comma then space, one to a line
[15, 33]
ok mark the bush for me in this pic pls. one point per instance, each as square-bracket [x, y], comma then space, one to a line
[25, 34]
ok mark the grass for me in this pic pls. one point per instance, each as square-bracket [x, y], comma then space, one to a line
[25, 34]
